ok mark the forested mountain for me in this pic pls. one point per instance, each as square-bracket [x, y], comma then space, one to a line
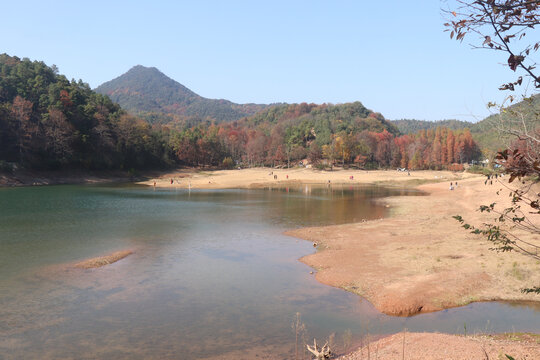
[492, 133]
[47, 121]
[147, 92]
[408, 126]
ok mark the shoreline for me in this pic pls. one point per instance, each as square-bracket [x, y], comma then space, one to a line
[419, 244]
[22, 178]
[264, 177]
[432, 346]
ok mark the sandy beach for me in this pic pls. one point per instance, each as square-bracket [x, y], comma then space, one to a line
[264, 177]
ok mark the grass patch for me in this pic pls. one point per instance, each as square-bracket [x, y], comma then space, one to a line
[517, 272]
[103, 260]
[529, 338]
[409, 182]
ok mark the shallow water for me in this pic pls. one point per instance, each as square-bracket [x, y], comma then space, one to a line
[212, 274]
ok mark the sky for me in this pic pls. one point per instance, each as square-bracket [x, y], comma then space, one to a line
[393, 55]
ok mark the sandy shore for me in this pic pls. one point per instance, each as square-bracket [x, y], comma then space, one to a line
[434, 346]
[263, 177]
[420, 259]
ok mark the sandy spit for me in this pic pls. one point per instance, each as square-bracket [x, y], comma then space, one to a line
[101, 261]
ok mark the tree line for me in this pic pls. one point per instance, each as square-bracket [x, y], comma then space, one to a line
[439, 148]
[49, 122]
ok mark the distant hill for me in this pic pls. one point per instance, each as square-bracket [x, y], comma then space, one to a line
[320, 121]
[489, 133]
[408, 126]
[147, 92]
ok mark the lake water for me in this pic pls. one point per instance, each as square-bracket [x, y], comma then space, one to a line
[212, 275]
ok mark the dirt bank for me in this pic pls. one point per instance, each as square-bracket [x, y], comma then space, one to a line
[432, 346]
[35, 178]
[420, 259]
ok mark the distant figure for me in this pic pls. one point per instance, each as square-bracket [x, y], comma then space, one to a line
[275, 177]
[154, 184]
[408, 173]
[451, 186]
[287, 176]
[172, 181]
[456, 183]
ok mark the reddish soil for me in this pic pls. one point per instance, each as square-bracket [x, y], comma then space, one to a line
[434, 346]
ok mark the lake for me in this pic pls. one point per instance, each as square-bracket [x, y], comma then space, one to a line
[212, 275]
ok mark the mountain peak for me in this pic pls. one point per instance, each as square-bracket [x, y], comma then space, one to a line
[141, 69]
[147, 90]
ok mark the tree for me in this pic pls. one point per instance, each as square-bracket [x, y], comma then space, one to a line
[25, 128]
[59, 133]
[502, 26]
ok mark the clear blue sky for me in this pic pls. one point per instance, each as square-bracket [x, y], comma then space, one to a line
[392, 55]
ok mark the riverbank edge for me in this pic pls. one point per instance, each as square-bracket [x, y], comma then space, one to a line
[22, 178]
[431, 346]
[323, 238]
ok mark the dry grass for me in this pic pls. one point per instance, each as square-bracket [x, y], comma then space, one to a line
[103, 260]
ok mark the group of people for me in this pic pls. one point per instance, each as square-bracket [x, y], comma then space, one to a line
[452, 185]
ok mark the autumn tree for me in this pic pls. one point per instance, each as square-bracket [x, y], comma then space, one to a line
[25, 128]
[503, 26]
[59, 133]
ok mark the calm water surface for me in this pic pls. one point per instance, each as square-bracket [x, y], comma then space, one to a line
[212, 274]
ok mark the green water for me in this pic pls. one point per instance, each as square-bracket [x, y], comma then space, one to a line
[212, 274]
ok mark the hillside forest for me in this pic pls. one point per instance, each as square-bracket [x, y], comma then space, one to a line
[49, 122]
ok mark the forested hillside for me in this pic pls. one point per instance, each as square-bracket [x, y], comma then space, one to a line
[347, 134]
[147, 92]
[49, 122]
[493, 133]
[409, 126]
